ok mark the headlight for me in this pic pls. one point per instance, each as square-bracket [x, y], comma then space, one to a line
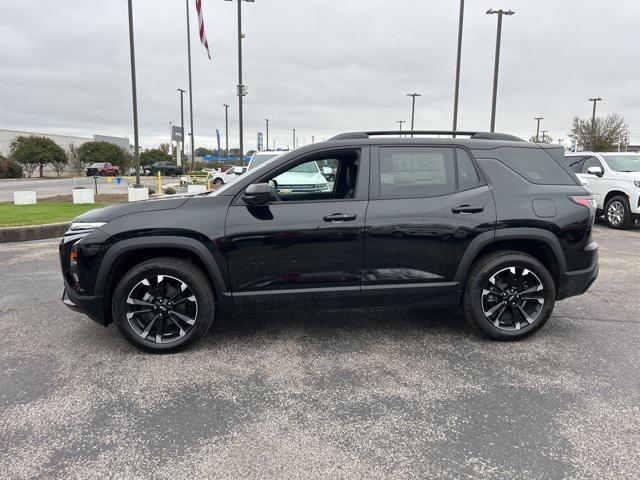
[636, 183]
[80, 226]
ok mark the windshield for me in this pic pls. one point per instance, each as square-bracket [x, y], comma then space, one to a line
[307, 167]
[624, 163]
[260, 159]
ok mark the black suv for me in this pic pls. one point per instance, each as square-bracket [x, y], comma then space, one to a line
[165, 168]
[492, 224]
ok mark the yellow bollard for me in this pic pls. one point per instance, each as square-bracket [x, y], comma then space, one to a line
[208, 184]
[160, 192]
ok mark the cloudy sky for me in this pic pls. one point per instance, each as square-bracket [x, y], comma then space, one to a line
[320, 66]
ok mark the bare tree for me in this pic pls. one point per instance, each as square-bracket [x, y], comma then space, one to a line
[74, 160]
[601, 135]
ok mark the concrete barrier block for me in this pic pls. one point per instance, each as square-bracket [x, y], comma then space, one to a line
[24, 198]
[83, 195]
[196, 188]
[136, 194]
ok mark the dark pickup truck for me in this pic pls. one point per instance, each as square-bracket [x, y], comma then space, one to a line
[165, 168]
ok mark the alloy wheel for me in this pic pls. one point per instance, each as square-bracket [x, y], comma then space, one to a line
[615, 213]
[513, 298]
[161, 309]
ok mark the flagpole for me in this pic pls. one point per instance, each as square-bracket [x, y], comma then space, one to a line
[136, 153]
[193, 160]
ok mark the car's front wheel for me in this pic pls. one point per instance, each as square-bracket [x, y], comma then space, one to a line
[218, 181]
[163, 304]
[509, 295]
[617, 213]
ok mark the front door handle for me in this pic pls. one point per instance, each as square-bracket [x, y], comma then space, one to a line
[468, 209]
[339, 217]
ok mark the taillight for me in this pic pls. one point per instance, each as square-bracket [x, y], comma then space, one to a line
[588, 201]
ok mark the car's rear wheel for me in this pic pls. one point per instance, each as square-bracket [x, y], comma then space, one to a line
[163, 304]
[509, 295]
[617, 213]
[218, 181]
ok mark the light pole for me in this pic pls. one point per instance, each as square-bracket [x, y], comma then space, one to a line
[538, 127]
[497, 62]
[459, 55]
[226, 130]
[241, 88]
[267, 142]
[400, 122]
[294, 137]
[413, 107]
[171, 139]
[182, 120]
[193, 159]
[593, 120]
[136, 153]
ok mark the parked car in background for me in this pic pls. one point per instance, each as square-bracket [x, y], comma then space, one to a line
[491, 224]
[231, 174]
[165, 168]
[102, 170]
[258, 158]
[614, 178]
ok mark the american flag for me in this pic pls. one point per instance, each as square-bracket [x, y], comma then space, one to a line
[203, 36]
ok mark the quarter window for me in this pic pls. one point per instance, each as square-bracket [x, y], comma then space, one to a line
[575, 163]
[590, 162]
[467, 174]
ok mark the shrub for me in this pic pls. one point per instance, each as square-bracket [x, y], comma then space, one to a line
[10, 169]
[170, 191]
[152, 190]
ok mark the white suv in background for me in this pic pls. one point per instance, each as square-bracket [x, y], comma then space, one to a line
[220, 178]
[614, 178]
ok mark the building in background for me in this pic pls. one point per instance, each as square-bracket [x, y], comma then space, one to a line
[65, 141]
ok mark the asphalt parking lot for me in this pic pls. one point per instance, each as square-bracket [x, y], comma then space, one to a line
[358, 394]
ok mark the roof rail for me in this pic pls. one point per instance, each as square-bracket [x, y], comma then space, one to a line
[474, 135]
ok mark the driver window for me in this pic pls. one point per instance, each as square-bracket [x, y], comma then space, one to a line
[330, 178]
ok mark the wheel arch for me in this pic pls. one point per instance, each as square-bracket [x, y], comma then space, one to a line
[614, 192]
[540, 244]
[125, 254]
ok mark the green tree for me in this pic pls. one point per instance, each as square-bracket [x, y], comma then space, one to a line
[602, 136]
[9, 168]
[35, 152]
[153, 155]
[103, 152]
[202, 151]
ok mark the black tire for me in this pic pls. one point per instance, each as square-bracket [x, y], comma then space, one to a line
[218, 181]
[617, 213]
[168, 332]
[500, 267]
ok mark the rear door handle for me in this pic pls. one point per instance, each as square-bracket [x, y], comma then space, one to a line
[339, 217]
[468, 209]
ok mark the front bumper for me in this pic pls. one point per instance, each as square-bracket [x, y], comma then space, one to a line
[90, 305]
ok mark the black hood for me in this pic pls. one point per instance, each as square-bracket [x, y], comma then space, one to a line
[107, 214]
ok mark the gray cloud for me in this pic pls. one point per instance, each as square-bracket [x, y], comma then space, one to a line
[318, 66]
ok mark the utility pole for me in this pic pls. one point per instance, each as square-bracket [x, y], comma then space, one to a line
[241, 88]
[171, 139]
[400, 122]
[497, 62]
[294, 138]
[182, 120]
[226, 130]
[267, 142]
[593, 121]
[459, 56]
[193, 160]
[538, 127]
[132, 52]
[413, 107]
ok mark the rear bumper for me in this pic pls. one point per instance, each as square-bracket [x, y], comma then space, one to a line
[89, 305]
[578, 282]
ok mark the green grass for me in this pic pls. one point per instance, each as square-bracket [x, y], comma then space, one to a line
[41, 213]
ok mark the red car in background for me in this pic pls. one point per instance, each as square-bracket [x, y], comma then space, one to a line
[102, 170]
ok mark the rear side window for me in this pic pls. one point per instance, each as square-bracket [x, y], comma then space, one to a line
[575, 163]
[467, 174]
[534, 164]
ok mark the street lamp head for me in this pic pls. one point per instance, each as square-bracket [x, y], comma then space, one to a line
[413, 95]
[491, 11]
[595, 99]
[180, 90]
[225, 105]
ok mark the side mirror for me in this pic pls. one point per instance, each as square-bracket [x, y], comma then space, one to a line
[258, 194]
[597, 171]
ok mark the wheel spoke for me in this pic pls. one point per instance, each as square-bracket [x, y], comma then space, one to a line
[182, 317]
[135, 301]
[493, 309]
[160, 330]
[526, 316]
[145, 333]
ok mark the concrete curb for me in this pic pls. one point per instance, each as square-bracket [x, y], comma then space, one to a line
[33, 232]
